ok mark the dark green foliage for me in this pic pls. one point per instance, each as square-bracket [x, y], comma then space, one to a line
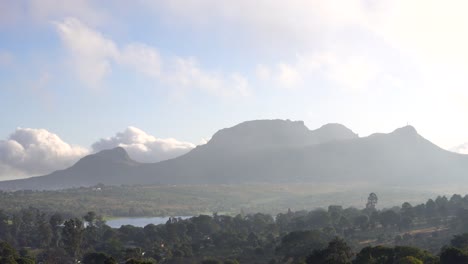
[299, 244]
[362, 222]
[387, 255]
[389, 218]
[294, 236]
[211, 261]
[98, 258]
[409, 260]
[451, 255]
[229, 261]
[460, 241]
[72, 235]
[8, 255]
[140, 261]
[337, 252]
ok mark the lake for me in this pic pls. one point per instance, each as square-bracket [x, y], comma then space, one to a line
[139, 221]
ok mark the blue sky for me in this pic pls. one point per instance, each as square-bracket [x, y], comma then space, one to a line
[87, 70]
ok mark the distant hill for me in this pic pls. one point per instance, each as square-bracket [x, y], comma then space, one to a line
[274, 151]
[262, 134]
[112, 166]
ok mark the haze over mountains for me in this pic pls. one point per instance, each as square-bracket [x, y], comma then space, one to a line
[273, 151]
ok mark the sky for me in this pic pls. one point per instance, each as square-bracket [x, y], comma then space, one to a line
[160, 77]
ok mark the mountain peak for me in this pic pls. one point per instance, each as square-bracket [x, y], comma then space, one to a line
[406, 130]
[277, 133]
[336, 128]
[272, 151]
[115, 154]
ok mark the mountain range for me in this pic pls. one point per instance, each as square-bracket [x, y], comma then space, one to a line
[273, 151]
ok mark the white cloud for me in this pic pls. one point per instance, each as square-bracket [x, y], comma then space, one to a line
[30, 151]
[187, 73]
[144, 147]
[142, 58]
[288, 75]
[355, 72]
[352, 73]
[204, 141]
[426, 27]
[462, 149]
[425, 39]
[275, 18]
[435, 31]
[93, 54]
[263, 72]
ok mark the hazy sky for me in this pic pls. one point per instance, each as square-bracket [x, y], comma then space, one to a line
[77, 76]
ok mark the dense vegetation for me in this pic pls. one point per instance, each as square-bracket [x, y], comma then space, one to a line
[188, 200]
[433, 232]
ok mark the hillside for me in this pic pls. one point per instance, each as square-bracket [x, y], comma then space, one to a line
[273, 151]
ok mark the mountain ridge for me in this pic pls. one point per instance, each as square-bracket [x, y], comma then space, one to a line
[271, 151]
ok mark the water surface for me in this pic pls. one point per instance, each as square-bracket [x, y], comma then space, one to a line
[139, 221]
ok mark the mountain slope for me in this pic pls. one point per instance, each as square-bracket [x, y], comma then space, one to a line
[274, 151]
[108, 166]
[400, 157]
[260, 134]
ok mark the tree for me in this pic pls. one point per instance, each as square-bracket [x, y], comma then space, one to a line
[318, 219]
[409, 260]
[55, 221]
[362, 221]
[344, 223]
[378, 254]
[405, 222]
[231, 261]
[90, 218]
[430, 208]
[389, 218]
[407, 210]
[4, 226]
[337, 252]
[371, 201]
[298, 244]
[387, 255]
[53, 256]
[140, 261]
[211, 261]
[335, 212]
[7, 251]
[44, 231]
[72, 234]
[460, 241]
[452, 255]
[98, 258]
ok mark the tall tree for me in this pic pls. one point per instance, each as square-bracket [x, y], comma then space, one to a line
[55, 222]
[371, 201]
[72, 235]
[337, 252]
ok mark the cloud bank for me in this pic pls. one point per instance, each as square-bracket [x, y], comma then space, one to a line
[29, 152]
[93, 56]
[144, 147]
[462, 149]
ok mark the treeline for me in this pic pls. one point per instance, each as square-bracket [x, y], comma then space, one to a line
[153, 200]
[361, 236]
